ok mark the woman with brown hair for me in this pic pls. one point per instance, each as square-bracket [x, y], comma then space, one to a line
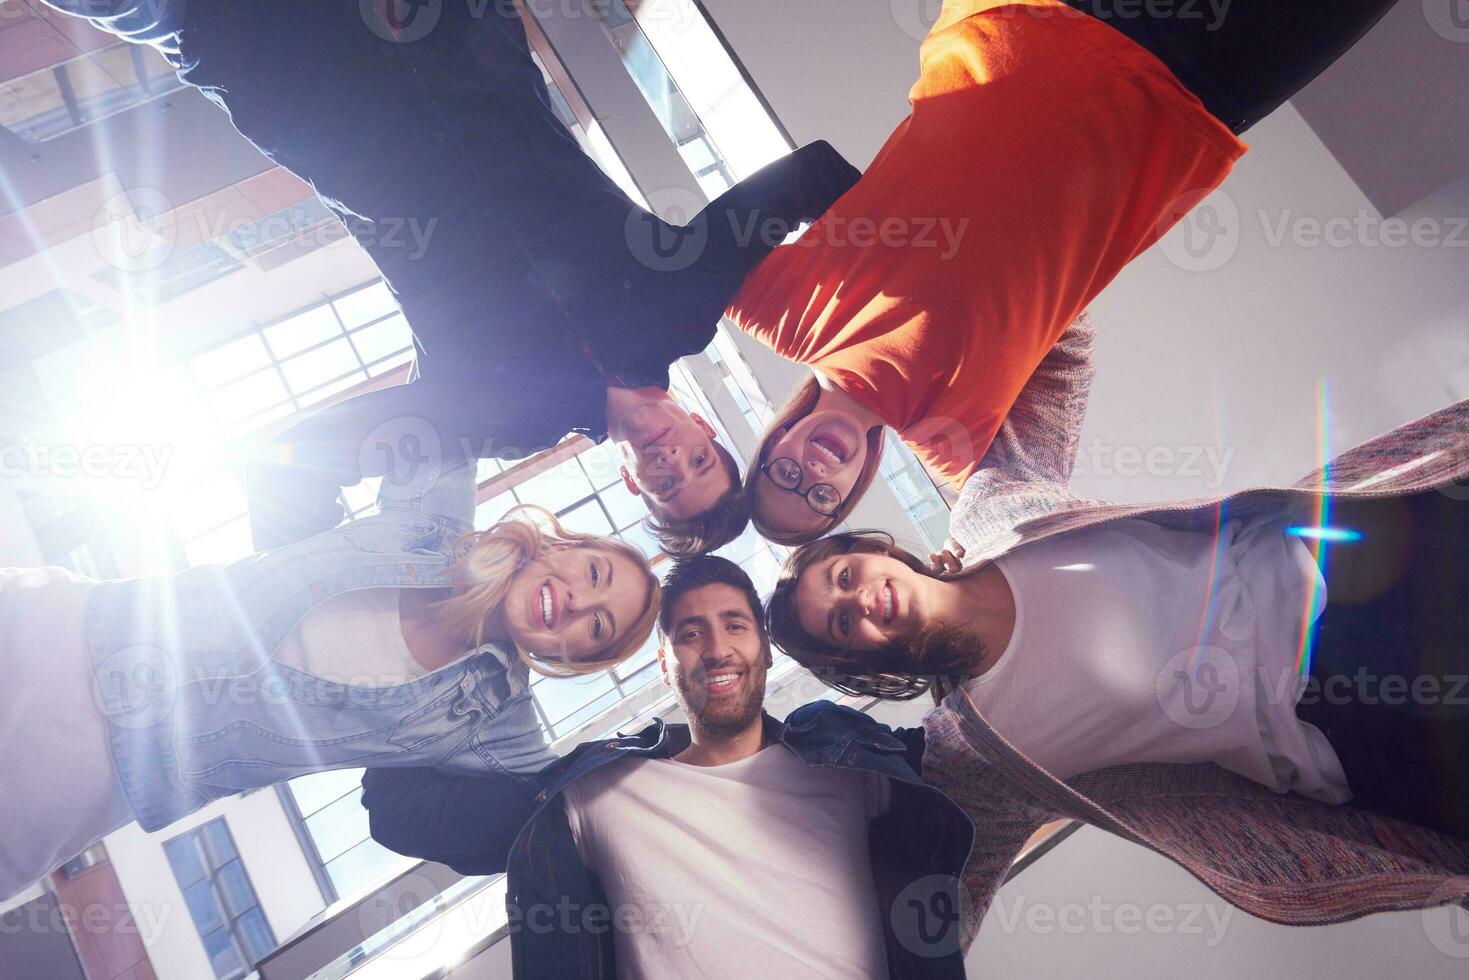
[404, 638]
[1185, 675]
[1049, 144]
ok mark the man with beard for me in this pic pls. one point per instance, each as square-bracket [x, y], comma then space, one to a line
[733, 846]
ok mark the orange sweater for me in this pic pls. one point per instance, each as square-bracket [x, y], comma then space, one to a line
[1044, 152]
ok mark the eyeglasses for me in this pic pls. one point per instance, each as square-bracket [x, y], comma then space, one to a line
[787, 474]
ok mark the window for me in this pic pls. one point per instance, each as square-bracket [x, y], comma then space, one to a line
[326, 809]
[54, 101]
[221, 899]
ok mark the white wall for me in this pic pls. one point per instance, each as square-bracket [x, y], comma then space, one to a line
[278, 871]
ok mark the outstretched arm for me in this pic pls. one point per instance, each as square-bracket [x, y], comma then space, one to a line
[1040, 435]
[466, 822]
[413, 431]
[750, 219]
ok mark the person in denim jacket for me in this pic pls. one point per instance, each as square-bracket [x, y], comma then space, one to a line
[401, 638]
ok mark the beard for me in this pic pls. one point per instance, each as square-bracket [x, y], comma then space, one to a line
[723, 716]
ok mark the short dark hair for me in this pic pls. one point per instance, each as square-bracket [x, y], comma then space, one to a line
[691, 574]
[712, 529]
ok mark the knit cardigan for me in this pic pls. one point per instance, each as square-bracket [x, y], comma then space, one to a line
[1281, 857]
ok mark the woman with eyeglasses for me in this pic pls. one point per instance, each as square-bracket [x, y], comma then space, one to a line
[405, 638]
[1050, 143]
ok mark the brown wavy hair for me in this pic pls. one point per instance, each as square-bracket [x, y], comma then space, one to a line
[486, 562]
[801, 404]
[932, 661]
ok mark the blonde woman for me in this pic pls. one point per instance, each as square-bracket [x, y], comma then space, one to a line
[399, 639]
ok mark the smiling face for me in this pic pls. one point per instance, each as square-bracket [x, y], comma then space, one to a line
[718, 661]
[668, 454]
[574, 603]
[828, 447]
[862, 601]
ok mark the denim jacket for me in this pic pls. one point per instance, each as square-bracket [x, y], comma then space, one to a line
[519, 825]
[197, 709]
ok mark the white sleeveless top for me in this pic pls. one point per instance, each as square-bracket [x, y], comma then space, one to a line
[1139, 643]
[354, 638]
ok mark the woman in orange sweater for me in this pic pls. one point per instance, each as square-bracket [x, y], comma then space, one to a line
[1049, 144]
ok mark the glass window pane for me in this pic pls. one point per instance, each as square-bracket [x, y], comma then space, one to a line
[603, 464]
[557, 488]
[397, 360]
[381, 339]
[589, 518]
[366, 305]
[364, 866]
[225, 954]
[647, 654]
[363, 494]
[259, 391]
[318, 789]
[587, 713]
[231, 361]
[234, 889]
[187, 859]
[206, 505]
[626, 508]
[230, 543]
[326, 391]
[638, 536]
[486, 468]
[255, 935]
[305, 330]
[217, 843]
[560, 697]
[337, 827]
[205, 907]
[493, 510]
[321, 365]
[643, 676]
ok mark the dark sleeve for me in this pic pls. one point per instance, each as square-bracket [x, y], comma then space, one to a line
[913, 739]
[293, 484]
[466, 822]
[753, 217]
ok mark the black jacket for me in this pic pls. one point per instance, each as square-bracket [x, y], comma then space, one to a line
[517, 824]
[530, 280]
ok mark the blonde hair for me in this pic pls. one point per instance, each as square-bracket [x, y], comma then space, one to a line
[801, 404]
[487, 562]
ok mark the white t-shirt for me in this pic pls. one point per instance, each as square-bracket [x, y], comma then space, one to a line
[353, 638]
[757, 868]
[1139, 643]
